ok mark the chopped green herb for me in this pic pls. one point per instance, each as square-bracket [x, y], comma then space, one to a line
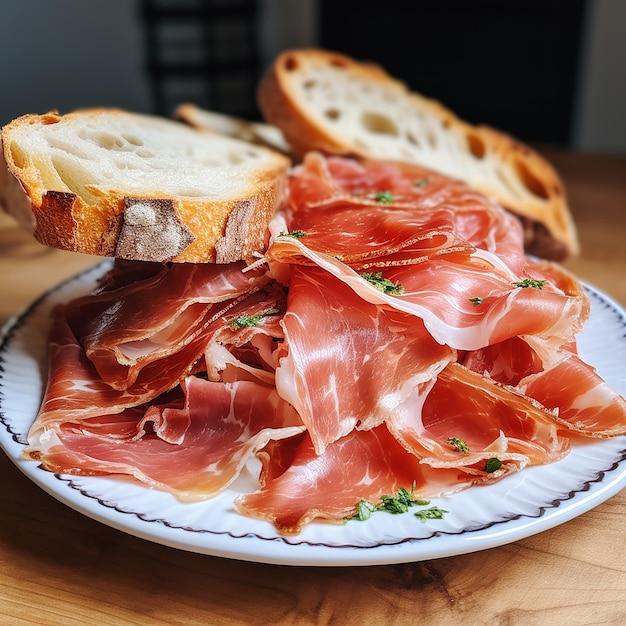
[364, 510]
[434, 512]
[246, 321]
[458, 444]
[492, 465]
[296, 234]
[384, 197]
[422, 182]
[530, 282]
[400, 503]
[383, 284]
[393, 505]
[477, 300]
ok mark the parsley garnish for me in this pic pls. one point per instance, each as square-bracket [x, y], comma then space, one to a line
[383, 284]
[493, 465]
[477, 300]
[434, 512]
[422, 182]
[400, 503]
[296, 234]
[530, 282]
[384, 197]
[246, 321]
[364, 510]
[458, 444]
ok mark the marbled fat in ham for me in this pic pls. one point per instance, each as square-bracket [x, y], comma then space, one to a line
[363, 363]
[363, 465]
[193, 448]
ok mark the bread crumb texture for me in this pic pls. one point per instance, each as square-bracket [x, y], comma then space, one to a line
[142, 187]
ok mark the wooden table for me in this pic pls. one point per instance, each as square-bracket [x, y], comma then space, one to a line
[59, 567]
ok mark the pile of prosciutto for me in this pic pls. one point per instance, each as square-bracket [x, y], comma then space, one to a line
[393, 315]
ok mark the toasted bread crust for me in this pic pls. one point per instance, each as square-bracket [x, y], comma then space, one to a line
[383, 128]
[172, 227]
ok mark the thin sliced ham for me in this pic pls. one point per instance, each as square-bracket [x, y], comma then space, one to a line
[122, 331]
[582, 402]
[494, 421]
[507, 362]
[579, 400]
[76, 391]
[361, 465]
[336, 196]
[465, 301]
[361, 364]
[193, 449]
[457, 256]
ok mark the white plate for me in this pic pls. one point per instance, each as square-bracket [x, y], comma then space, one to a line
[521, 505]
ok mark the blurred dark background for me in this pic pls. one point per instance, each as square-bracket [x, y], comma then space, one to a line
[512, 64]
[543, 70]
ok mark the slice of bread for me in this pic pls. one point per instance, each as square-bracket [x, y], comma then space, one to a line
[254, 132]
[113, 183]
[329, 102]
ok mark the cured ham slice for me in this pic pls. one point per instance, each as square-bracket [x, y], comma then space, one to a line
[365, 362]
[468, 303]
[465, 301]
[76, 391]
[493, 421]
[506, 362]
[338, 200]
[193, 449]
[581, 401]
[459, 269]
[122, 331]
[361, 465]
[247, 337]
[363, 235]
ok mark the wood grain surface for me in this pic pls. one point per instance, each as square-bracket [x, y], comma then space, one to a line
[60, 567]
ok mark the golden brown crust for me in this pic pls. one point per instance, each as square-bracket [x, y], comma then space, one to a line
[291, 97]
[209, 236]
[553, 235]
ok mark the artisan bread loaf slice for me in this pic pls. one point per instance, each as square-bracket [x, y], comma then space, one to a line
[114, 183]
[254, 132]
[329, 102]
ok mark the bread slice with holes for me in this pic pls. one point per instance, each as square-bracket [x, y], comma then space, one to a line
[329, 102]
[113, 183]
[254, 132]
